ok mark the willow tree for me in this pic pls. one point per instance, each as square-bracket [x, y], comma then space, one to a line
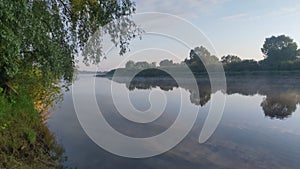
[39, 40]
[47, 34]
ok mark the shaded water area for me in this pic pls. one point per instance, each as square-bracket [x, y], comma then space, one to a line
[259, 128]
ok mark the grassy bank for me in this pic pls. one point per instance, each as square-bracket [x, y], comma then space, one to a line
[25, 141]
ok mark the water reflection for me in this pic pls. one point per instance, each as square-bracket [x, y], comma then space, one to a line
[280, 105]
[282, 94]
[244, 138]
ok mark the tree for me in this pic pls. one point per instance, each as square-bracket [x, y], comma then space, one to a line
[39, 40]
[280, 48]
[142, 65]
[244, 65]
[130, 64]
[166, 62]
[199, 58]
[201, 54]
[48, 34]
[153, 64]
[230, 59]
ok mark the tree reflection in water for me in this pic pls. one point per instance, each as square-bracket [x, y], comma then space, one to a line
[280, 105]
[280, 100]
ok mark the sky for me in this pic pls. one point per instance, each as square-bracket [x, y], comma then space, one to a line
[237, 27]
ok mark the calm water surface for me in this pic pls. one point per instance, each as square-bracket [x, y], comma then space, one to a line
[260, 127]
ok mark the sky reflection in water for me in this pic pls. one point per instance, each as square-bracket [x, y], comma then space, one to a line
[259, 129]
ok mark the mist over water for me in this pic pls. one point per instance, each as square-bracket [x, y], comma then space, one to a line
[259, 129]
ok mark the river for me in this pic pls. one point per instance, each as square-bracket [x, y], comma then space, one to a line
[259, 127]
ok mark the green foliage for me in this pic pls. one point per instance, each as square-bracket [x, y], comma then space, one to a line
[4, 108]
[152, 73]
[280, 48]
[32, 35]
[129, 64]
[201, 55]
[30, 136]
[290, 65]
[166, 63]
[281, 54]
[142, 65]
[48, 34]
[25, 142]
[244, 65]
[88, 15]
[200, 58]
[230, 59]
[139, 65]
[38, 43]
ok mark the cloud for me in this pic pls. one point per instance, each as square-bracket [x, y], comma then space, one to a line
[285, 11]
[235, 16]
[241, 17]
[273, 13]
[183, 8]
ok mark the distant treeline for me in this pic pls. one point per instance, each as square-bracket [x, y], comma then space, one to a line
[280, 101]
[281, 53]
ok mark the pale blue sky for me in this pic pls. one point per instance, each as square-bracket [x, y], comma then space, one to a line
[232, 26]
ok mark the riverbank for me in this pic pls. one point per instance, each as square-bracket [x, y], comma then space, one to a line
[25, 141]
[122, 72]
